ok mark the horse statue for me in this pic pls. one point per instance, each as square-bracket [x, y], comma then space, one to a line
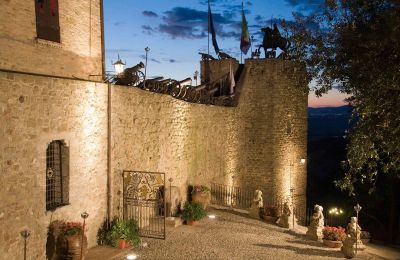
[272, 40]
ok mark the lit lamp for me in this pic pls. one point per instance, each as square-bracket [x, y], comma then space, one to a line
[302, 161]
[119, 66]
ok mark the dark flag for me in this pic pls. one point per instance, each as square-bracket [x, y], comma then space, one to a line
[212, 30]
[245, 38]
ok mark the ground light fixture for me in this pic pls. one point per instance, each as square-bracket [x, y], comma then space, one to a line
[211, 216]
[131, 257]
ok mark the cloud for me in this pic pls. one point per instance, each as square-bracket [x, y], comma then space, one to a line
[118, 23]
[148, 30]
[306, 5]
[188, 23]
[149, 14]
[150, 59]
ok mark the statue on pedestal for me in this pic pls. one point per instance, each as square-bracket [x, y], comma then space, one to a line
[352, 243]
[317, 223]
[256, 205]
[284, 219]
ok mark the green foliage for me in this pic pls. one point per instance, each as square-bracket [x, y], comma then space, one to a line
[193, 211]
[123, 229]
[355, 46]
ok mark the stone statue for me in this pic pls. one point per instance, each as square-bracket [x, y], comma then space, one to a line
[223, 55]
[205, 56]
[273, 40]
[317, 223]
[173, 200]
[256, 205]
[284, 219]
[352, 243]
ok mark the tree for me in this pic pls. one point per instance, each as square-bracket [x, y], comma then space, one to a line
[354, 46]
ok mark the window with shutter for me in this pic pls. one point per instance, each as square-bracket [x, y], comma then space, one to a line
[47, 20]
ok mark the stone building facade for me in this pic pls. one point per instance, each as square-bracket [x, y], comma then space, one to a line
[52, 91]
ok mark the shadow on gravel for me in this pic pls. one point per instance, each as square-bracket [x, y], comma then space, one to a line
[306, 242]
[305, 251]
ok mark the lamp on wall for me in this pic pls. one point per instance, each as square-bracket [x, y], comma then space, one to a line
[119, 66]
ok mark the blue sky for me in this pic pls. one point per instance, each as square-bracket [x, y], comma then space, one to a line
[175, 31]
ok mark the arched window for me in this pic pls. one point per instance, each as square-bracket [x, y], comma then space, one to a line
[57, 175]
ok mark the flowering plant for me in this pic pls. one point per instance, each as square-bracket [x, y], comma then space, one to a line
[365, 235]
[200, 189]
[334, 233]
[72, 228]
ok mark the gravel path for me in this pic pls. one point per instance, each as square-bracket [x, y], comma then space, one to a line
[232, 236]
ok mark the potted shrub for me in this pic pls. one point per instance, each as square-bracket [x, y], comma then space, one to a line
[201, 194]
[270, 214]
[333, 236]
[192, 212]
[71, 242]
[123, 233]
[365, 236]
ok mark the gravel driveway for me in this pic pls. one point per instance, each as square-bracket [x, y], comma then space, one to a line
[231, 236]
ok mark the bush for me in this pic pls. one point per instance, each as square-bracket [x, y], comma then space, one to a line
[123, 229]
[193, 211]
[334, 233]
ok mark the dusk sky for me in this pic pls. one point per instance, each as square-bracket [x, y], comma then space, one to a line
[176, 31]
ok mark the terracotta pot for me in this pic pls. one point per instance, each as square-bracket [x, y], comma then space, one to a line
[201, 197]
[270, 219]
[122, 244]
[333, 244]
[191, 222]
[69, 247]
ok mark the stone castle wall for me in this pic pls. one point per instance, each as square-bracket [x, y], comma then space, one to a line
[33, 112]
[260, 142]
[78, 54]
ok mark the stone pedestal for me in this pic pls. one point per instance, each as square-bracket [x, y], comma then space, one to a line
[350, 247]
[254, 212]
[173, 222]
[315, 232]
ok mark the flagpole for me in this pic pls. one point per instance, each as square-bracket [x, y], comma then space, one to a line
[241, 53]
[208, 34]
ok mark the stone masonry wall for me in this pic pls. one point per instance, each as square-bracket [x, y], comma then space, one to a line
[33, 112]
[260, 142]
[78, 54]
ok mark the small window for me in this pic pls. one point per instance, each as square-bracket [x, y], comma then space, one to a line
[57, 175]
[47, 20]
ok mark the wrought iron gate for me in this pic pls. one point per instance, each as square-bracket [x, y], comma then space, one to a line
[144, 201]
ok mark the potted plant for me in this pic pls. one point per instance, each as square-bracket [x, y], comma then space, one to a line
[201, 194]
[123, 233]
[192, 212]
[270, 213]
[365, 237]
[333, 236]
[72, 241]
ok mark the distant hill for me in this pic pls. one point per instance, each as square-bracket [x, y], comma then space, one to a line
[328, 121]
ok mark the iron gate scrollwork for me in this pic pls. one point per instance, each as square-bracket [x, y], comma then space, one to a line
[144, 201]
